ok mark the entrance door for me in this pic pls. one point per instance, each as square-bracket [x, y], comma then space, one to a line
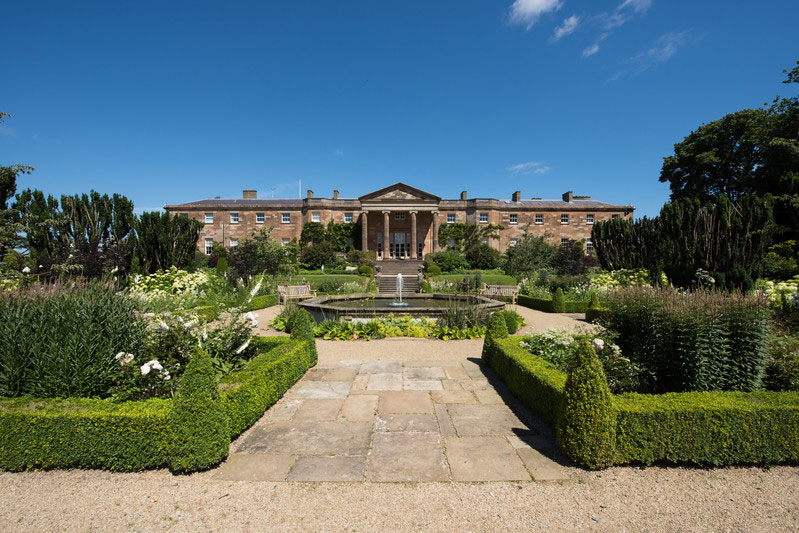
[399, 246]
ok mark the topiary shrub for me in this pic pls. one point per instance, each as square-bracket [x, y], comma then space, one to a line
[199, 425]
[559, 301]
[433, 270]
[513, 320]
[497, 329]
[365, 270]
[587, 431]
[593, 303]
[302, 328]
[221, 266]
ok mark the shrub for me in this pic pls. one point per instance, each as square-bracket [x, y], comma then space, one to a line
[483, 256]
[262, 302]
[513, 320]
[221, 266]
[568, 259]
[587, 432]
[545, 304]
[433, 270]
[84, 433]
[199, 423]
[247, 394]
[530, 255]
[558, 301]
[593, 303]
[782, 370]
[691, 341]
[59, 341]
[317, 255]
[365, 270]
[449, 261]
[362, 258]
[497, 328]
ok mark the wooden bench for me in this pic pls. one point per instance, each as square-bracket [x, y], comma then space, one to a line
[290, 292]
[501, 291]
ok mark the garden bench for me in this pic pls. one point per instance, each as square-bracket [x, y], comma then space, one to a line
[501, 291]
[289, 292]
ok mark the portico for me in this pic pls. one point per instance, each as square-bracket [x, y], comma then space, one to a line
[399, 222]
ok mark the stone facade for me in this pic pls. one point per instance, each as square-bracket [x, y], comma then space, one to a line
[405, 217]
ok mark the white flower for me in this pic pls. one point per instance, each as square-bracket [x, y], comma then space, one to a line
[599, 344]
[126, 359]
[155, 365]
[164, 326]
[167, 377]
[252, 318]
[145, 369]
[255, 289]
[243, 347]
[119, 356]
[205, 334]
[115, 270]
[26, 270]
[190, 324]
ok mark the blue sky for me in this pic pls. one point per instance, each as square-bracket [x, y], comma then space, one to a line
[168, 102]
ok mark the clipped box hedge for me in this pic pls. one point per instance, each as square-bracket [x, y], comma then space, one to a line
[543, 304]
[262, 302]
[247, 394]
[140, 435]
[84, 433]
[704, 428]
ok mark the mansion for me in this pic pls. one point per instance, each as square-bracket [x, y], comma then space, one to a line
[400, 221]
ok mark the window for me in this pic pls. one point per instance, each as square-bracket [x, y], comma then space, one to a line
[450, 218]
[483, 218]
[184, 214]
[615, 215]
[484, 240]
[564, 218]
[316, 217]
[285, 241]
[514, 218]
[589, 246]
[285, 217]
[514, 242]
[564, 242]
[234, 217]
[539, 219]
[259, 218]
[348, 217]
[209, 245]
[233, 242]
[589, 219]
[209, 218]
[399, 216]
[450, 243]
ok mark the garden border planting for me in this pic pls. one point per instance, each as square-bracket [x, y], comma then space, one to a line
[705, 428]
[140, 435]
[541, 304]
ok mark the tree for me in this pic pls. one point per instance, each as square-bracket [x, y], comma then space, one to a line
[467, 236]
[257, 254]
[165, 240]
[483, 256]
[531, 254]
[568, 258]
[9, 218]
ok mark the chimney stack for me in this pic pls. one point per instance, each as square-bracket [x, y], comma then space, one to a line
[463, 195]
[517, 196]
[310, 194]
[249, 193]
[568, 196]
[335, 194]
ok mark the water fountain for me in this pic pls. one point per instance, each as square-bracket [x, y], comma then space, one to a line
[399, 303]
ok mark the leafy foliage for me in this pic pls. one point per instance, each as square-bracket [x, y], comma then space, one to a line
[482, 256]
[467, 236]
[447, 261]
[568, 259]
[166, 241]
[558, 301]
[260, 253]
[530, 255]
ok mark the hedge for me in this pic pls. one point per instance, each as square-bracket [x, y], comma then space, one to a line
[315, 279]
[488, 279]
[593, 314]
[262, 302]
[704, 428]
[247, 394]
[84, 433]
[542, 304]
[186, 433]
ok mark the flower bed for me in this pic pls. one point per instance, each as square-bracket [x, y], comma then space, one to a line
[705, 428]
[129, 436]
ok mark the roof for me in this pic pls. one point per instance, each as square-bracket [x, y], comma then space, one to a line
[560, 203]
[399, 189]
[239, 202]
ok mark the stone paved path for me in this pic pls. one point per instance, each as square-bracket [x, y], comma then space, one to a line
[393, 420]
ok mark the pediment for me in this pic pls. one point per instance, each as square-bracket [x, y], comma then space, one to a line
[400, 192]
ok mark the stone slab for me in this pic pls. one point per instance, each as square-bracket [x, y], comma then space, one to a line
[456, 372]
[444, 422]
[328, 468]
[310, 438]
[283, 410]
[340, 374]
[405, 402]
[410, 364]
[315, 374]
[488, 397]
[359, 383]
[484, 459]
[451, 384]
[359, 408]
[473, 369]
[390, 459]
[255, 467]
[541, 467]
[406, 423]
[422, 385]
[423, 373]
[454, 396]
[474, 384]
[318, 410]
[485, 420]
[385, 382]
[322, 390]
[381, 367]
[348, 363]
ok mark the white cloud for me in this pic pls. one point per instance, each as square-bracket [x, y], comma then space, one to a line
[338, 153]
[624, 12]
[639, 6]
[527, 12]
[591, 50]
[569, 25]
[665, 47]
[530, 167]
